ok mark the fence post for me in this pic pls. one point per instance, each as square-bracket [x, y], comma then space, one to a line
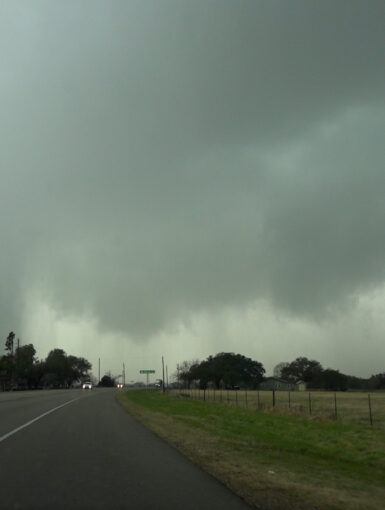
[309, 402]
[221, 395]
[204, 393]
[370, 411]
[289, 400]
[236, 398]
[335, 405]
[273, 395]
[258, 400]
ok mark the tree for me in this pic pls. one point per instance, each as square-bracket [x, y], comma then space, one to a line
[57, 368]
[9, 343]
[24, 360]
[184, 373]
[302, 369]
[227, 369]
[330, 379]
[5, 371]
[235, 369]
[277, 372]
[377, 381]
[201, 372]
[65, 369]
[36, 374]
[78, 369]
[8, 362]
[107, 382]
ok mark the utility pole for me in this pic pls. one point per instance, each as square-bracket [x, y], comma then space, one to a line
[99, 369]
[167, 375]
[124, 375]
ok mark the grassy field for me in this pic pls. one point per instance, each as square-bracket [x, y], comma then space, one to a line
[347, 407]
[273, 461]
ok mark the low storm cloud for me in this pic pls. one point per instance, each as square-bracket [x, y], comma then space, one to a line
[202, 174]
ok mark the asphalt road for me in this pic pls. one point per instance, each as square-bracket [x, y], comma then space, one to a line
[90, 454]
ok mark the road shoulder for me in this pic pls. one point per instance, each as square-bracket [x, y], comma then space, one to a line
[273, 491]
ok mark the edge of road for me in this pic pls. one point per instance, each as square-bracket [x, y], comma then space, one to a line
[139, 415]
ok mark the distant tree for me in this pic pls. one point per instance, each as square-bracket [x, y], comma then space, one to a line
[66, 369]
[9, 342]
[227, 369]
[277, 372]
[184, 373]
[107, 381]
[24, 361]
[7, 367]
[57, 368]
[302, 369]
[330, 379]
[19, 366]
[6, 364]
[50, 380]
[377, 381]
[36, 374]
[78, 369]
[201, 372]
[357, 383]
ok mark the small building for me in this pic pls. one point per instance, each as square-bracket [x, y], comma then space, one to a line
[276, 383]
[301, 386]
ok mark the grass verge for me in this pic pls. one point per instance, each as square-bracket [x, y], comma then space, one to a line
[272, 461]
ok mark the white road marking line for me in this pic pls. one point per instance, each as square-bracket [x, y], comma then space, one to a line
[35, 419]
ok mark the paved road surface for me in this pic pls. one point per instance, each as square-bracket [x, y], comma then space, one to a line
[90, 454]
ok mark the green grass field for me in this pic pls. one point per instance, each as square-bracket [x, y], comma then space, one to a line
[272, 460]
[347, 407]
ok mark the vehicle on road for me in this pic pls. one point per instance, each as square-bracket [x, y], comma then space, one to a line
[87, 385]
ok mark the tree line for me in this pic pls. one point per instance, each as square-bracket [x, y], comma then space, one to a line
[20, 369]
[224, 370]
[317, 377]
[230, 370]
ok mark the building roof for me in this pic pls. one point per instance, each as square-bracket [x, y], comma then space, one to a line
[278, 379]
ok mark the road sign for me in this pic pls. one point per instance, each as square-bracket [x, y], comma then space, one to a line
[147, 371]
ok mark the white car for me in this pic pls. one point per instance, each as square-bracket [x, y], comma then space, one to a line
[119, 385]
[87, 385]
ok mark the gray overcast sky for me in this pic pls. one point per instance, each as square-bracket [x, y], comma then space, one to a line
[184, 178]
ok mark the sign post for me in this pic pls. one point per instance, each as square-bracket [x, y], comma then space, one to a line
[147, 372]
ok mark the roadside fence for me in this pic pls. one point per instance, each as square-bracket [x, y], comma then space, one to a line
[348, 407]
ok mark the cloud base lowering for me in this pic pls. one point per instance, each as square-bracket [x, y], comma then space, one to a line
[165, 162]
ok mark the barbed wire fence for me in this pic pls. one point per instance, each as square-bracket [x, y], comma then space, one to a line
[347, 407]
